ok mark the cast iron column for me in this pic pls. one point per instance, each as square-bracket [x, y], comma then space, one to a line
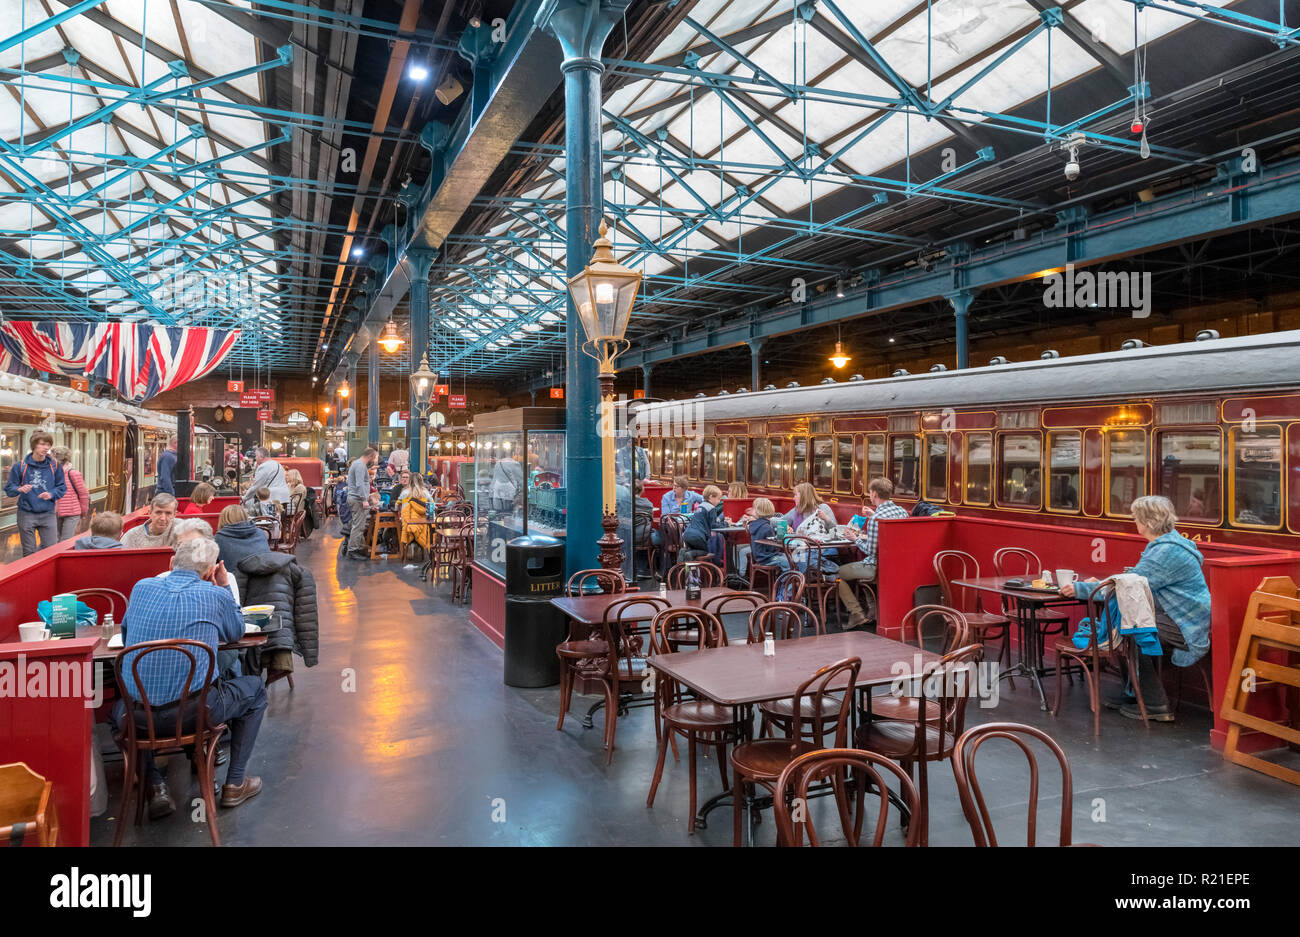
[961, 301]
[755, 360]
[645, 378]
[582, 26]
[420, 262]
[372, 404]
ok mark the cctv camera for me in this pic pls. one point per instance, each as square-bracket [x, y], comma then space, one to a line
[1072, 170]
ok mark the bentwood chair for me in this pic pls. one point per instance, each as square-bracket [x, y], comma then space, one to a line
[160, 728]
[1116, 651]
[762, 761]
[293, 525]
[114, 601]
[953, 565]
[710, 575]
[702, 722]
[847, 768]
[972, 796]
[593, 581]
[788, 587]
[787, 621]
[947, 685]
[933, 628]
[734, 603]
[671, 528]
[609, 655]
[819, 585]
[1023, 562]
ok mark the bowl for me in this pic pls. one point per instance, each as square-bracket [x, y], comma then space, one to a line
[258, 614]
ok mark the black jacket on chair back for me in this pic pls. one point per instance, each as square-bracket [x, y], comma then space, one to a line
[277, 579]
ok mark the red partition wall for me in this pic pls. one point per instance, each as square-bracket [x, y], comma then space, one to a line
[312, 470]
[907, 548]
[488, 605]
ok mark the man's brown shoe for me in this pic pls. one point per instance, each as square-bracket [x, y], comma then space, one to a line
[856, 621]
[160, 802]
[232, 795]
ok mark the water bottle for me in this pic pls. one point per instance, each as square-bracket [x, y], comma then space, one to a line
[769, 645]
[663, 590]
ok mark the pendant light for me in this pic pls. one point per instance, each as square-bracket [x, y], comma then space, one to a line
[839, 359]
[390, 341]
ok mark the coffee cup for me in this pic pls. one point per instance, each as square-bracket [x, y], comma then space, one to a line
[33, 631]
[1065, 576]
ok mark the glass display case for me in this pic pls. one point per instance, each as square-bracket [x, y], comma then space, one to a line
[518, 481]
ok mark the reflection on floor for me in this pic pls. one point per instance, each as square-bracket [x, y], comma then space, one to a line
[405, 734]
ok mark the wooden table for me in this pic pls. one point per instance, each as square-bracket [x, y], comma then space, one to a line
[103, 652]
[739, 676]
[590, 609]
[1023, 607]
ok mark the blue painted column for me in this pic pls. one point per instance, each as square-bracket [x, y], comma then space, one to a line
[645, 378]
[372, 403]
[755, 362]
[420, 262]
[961, 301]
[582, 26]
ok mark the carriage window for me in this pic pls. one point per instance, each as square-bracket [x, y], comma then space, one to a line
[875, 457]
[799, 460]
[692, 458]
[774, 464]
[979, 468]
[758, 463]
[1063, 461]
[823, 464]
[670, 469]
[656, 457]
[707, 469]
[742, 459]
[906, 466]
[679, 456]
[1189, 475]
[936, 467]
[11, 448]
[1126, 461]
[844, 464]
[1256, 482]
[1020, 481]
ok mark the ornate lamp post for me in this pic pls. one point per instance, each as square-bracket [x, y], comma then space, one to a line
[603, 294]
[422, 381]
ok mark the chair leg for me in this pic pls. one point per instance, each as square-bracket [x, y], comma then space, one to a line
[659, 767]
[690, 747]
[566, 692]
[207, 779]
[722, 760]
[128, 783]
[611, 719]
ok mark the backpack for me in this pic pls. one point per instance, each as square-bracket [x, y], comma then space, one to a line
[925, 509]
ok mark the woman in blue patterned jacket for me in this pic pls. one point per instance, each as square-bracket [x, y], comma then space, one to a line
[1172, 566]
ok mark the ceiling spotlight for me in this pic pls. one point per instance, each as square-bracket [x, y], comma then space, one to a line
[839, 288]
[418, 71]
[891, 340]
[358, 251]
[313, 378]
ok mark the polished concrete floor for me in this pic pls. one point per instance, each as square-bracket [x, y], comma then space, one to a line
[404, 734]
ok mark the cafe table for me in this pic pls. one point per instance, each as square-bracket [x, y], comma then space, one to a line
[739, 676]
[103, 652]
[1023, 606]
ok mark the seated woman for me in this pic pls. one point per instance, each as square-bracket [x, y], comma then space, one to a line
[1172, 567]
[414, 507]
[760, 528]
[297, 491]
[737, 490]
[699, 533]
[807, 503]
[200, 498]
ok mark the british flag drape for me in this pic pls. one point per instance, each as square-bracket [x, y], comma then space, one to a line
[138, 359]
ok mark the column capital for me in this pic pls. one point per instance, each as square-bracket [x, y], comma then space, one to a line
[960, 300]
[419, 263]
[581, 26]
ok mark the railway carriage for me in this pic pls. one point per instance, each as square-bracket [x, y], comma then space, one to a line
[1214, 425]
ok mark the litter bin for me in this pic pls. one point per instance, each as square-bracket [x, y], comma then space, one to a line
[534, 575]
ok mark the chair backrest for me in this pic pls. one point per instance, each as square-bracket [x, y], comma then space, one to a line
[811, 559]
[114, 600]
[293, 532]
[732, 602]
[789, 586]
[928, 621]
[972, 796]
[192, 652]
[669, 625]
[710, 575]
[623, 644]
[267, 525]
[951, 565]
[1017, 561]
[1097, 603]
[786, 621]
[821, 707]
[609, 581]
[671, 528]
[948, 683]
[791, 799]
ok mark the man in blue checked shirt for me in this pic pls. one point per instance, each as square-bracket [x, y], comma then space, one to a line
[879, 491]
[188, 605]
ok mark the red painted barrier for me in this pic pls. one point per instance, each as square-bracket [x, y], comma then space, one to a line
[312, 470]
[488, 605]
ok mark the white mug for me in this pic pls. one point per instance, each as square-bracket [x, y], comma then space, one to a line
[1065, 576]
[33, 631]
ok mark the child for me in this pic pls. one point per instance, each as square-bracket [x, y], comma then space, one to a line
[265, 507]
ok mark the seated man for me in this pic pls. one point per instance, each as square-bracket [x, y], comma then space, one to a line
[188, 605]
[157, 531]
[671, 503]
[879, 493]
[105, 533]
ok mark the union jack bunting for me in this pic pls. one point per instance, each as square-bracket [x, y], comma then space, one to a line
[139, 360]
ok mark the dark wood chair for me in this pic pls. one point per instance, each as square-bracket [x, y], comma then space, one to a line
[114, 601]
[448, 548]
[201, 738]
[381, 521]
[609, 656]
[935, 628]
[787, 621]
[731, 603]
[763, 574]
[951, 565]
[1116, 652]
[818, 584]
[267, 526]
[790, 803]
[291, 533]
[788, 587]
[710, 575]
[462, 563]
[760, 762]
[671, 528]
[27, 807]
[947, 684]
[1022, 562]
[972, 796]
[608, 581]
[702, 722]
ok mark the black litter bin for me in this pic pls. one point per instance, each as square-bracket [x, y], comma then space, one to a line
[534, 576]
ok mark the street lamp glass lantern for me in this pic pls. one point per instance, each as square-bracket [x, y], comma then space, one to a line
[603, 294]
[422, 381]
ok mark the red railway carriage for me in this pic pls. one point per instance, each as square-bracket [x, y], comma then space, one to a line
[1213, 425]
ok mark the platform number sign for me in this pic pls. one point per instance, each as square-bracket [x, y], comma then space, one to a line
[234, 387]
[557, 393]
[441, 390]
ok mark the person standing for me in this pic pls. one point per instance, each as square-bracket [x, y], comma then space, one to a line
[73, 509]
[167, 469]
[268, 474]
[38, 484]
[359, 503]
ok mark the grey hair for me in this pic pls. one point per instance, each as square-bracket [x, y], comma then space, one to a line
[162, 500]
[1155, 513]
[61, 454]
[191, 525]
[198, 555]
[262, 451]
